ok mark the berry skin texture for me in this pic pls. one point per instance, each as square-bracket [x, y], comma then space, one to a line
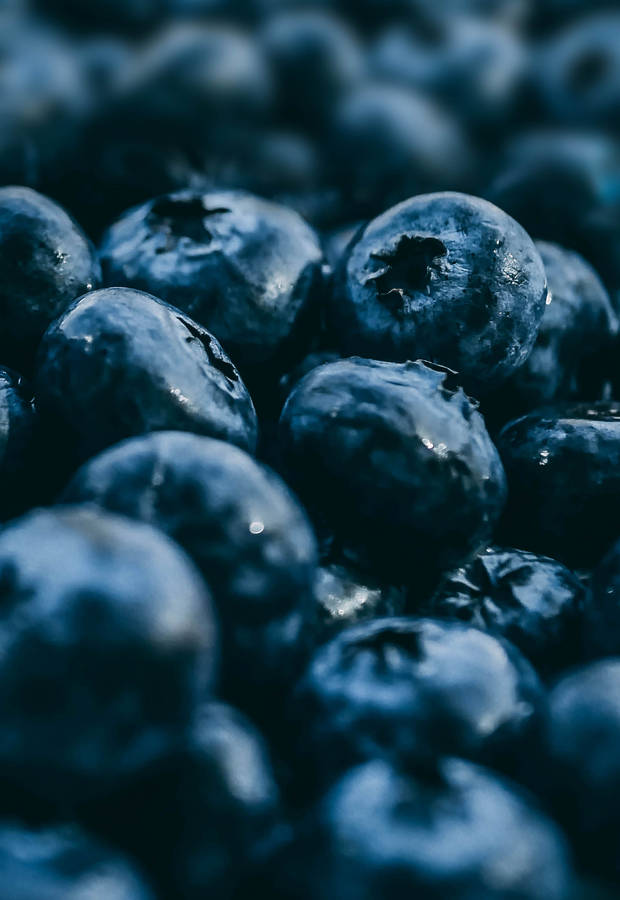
[563, 466]
[45, 263]
[18, 434]
[58, 863]
[108, 642]
[243, 267]
[446, 277]
[345, 597]
[532, 601]
[120, 362]
[398, 461]
[244, 530]
[410, 690]
[458, 832]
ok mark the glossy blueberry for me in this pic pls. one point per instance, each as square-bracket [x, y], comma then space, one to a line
[460, 832]
[18, 440]
[345, 596]
[45, 263]
[55, 864]
[120, 363]
[243, 529]
[581, 771]
[580, 77]
[108, 642]
[198, 817]
[533, 601]
[563, 469]
[397, 460]
[577, 329]
[387, 142]
[315, 59]
[410, 689]
[245, 268]
[446, 277]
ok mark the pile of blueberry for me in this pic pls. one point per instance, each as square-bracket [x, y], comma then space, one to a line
[309, 450]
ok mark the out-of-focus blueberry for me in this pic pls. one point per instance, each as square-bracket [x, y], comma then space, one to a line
[580, 72]
[458, 832]
[533, 601]
[108, 643]
[120, 363]
[581, 773]
[388, 142]
[55, 864]
[18, 440]
[563, 469]
[45, 263]
[315, 58]
[199, 816]
[446, 277]
[602, 612]
[245, 268]
[410, 690]
[397, 460]
[244, 530]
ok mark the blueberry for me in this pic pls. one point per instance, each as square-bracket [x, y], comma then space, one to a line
[45, 263]
[315, 58]
[397, 460]
[345, 596]
[387, 142]
[243, 529]
[533, 601]
[447, 277]
[580, 79]
[108, 642]
[474, 65]
[563, 466]
[582, 766]
[55, 864]
[245, 268]
[461, 832]
[563, 187]
[576, 331]
[198, 817]
[18, 439]
[409, 690]
[120, 363]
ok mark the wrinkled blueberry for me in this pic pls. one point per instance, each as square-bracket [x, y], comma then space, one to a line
[446, 277]
[243, 529]
[577, 327]
[245, 268]
[533, 601]
[396, 459]
[120, 362]
[387, 142]
[581, 773]
[410, 689]
[62, 863]
[345, 597]
[45, 263]
[461, 832]
[563, 470]
[108, 642]
[198, 817]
